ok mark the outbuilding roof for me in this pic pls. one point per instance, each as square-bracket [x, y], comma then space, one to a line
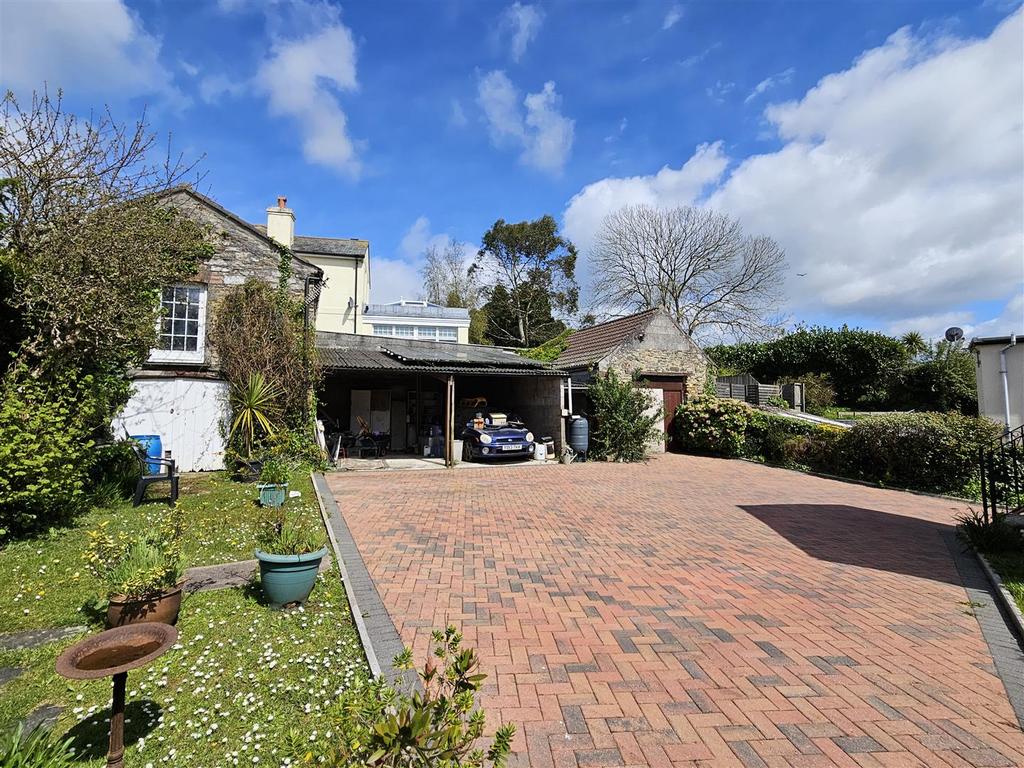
[347, 351]
[590, 345]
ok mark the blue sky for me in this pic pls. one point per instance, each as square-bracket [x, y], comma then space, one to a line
[879, 142]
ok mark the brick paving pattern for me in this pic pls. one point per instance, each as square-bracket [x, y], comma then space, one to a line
[693, 612]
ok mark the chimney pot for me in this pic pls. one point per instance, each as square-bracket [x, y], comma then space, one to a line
[282, 201]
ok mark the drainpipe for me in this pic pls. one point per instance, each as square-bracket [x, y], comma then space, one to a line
[1003, 371]
[355, 309]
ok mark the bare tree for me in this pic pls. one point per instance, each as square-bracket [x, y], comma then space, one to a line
[699, 265]
[447, 279]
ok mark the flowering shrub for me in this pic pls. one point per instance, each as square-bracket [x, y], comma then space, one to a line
[712, 425]
[438, 728]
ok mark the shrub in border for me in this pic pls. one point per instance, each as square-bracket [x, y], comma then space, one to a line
[713, 426]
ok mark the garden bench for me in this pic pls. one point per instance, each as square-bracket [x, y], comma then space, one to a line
[147, 478]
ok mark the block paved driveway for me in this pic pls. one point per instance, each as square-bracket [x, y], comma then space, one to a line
[693, 611]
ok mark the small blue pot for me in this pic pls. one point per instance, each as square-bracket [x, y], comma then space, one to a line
[273, 494]
[289, 578]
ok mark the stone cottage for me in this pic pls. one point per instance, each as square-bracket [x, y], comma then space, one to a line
[651, 344]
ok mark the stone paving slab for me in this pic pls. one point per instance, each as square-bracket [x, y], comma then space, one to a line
[30, 638]
[203, 578]
[694, 611]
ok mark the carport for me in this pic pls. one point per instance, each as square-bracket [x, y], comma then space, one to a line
[411, 391]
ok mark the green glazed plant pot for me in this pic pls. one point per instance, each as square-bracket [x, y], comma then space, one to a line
[273, 494]
[288, 579]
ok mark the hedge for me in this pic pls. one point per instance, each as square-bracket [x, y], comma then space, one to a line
[935, 452]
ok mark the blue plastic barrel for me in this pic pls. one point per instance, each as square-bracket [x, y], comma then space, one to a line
[154, 450]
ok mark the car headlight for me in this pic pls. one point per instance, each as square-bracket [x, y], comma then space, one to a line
[529, 437]
[485, 438]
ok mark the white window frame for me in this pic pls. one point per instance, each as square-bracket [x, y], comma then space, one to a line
[447, 333]
[198, 355]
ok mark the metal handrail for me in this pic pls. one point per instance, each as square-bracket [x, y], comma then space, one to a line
[1001, 470]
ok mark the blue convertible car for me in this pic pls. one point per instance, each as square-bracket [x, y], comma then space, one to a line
[493, 436]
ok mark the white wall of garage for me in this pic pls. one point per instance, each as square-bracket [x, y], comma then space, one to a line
[189, 414]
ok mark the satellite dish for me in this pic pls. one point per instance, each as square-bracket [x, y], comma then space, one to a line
[954, 334]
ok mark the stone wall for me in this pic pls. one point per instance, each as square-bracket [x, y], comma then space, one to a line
[664, 349]
[539, 405]
[239, 254]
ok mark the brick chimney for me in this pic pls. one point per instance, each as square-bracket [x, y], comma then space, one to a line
[281, 223]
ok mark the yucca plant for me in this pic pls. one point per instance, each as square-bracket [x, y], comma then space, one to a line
[255, 407]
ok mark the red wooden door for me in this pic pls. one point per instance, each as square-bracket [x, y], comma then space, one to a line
[673, 399]
[673, 390]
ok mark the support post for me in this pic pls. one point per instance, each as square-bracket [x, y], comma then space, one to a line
[449, 423]
[115, 751]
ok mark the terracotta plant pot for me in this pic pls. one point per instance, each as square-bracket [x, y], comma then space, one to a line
[160, 607]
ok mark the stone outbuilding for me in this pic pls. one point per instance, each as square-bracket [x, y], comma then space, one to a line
[649, 344]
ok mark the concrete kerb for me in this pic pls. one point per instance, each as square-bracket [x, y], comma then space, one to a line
[996, 628]
[377, 632]
[1011, 609]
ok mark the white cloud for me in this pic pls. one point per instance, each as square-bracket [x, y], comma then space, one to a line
[522, 23]
[668, 187]
[399, 278]
[543, 133]
[898, 189]
[720, 90]
[395, 279]
[673, 17]
[301, 79]
[214, 87]
[782, 78]
[457, 117]
[99, 47]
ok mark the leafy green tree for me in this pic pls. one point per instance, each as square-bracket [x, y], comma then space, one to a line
[861, 365]
[915, 343]
[503, 323]
[533, 272]
[89, 241]
[944, 380]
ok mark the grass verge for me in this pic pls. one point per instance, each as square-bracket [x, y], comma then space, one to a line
[43, 580]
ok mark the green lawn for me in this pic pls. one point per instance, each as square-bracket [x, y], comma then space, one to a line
[44, 583]
[244, 682]
[1010, 568]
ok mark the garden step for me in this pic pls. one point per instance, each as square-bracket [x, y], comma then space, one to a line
[42, 717]
[1015, 521]
[207, 577]
[30, 638]
[9, 673]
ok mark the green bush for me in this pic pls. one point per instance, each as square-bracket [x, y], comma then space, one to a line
[713, 426]
[438, 728]
[45, 455]
[936, 452]
[624, 426]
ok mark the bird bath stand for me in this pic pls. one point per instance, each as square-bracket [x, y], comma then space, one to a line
[113, 653]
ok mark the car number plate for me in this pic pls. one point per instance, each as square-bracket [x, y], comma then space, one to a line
[511, 447]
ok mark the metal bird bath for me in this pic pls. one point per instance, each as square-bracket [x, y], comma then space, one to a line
[113, 653]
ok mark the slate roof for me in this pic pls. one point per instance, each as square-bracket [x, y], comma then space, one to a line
[325, 246]
[588, 346]
[257, 229]
[347, 351]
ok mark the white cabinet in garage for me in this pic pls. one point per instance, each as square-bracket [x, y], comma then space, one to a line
[189, 414]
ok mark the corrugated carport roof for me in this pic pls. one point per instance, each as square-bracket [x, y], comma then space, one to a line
[346, 351]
